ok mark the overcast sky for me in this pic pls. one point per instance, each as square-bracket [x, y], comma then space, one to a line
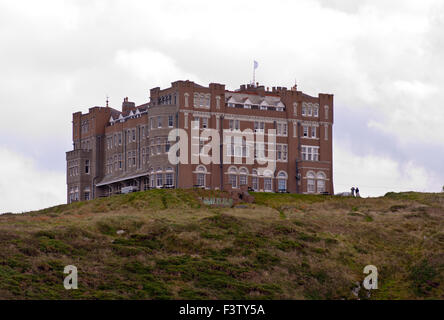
[382, 60]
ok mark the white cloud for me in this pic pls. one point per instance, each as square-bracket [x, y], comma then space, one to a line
[23, 187]
[146, 64]
[377, 175]
[377, 57]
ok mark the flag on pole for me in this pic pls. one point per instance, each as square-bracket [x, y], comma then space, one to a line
[256, 64]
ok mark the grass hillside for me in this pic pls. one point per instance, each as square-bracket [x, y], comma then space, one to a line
[281, 247]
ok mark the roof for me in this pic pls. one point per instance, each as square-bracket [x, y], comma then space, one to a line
[255, 99]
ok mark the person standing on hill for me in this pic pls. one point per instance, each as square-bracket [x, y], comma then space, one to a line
[357, 193]
[352, 191]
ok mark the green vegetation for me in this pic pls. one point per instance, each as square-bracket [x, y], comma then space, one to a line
[172, 246]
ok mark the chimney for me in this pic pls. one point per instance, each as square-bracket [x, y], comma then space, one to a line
[127, 105]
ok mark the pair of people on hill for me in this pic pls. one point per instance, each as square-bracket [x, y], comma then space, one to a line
[355, 192]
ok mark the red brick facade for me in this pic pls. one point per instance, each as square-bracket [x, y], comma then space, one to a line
[117, 149]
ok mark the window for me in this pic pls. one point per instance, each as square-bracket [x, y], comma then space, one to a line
[310, 182]
[167, 146]
[304, 109]
[281, 152]
[170, 121]
[218, 102]
[87, 166]
[321, 182]
[201, 170]
[259, 151]
[120, 139]
[313, 132]
[255, 183]
[152, 123]
[169, 179]
[282, 129]
[196, 123]
[326, 132]
[234, 124]
[186, 98]
[326, 112]
[310, 110]
[233, 180]
[305, 128]
[282, 185]
[159, 122]
[86, 195]
[159, 177]
[196, 100]
[294, 130]
[152, 180]
[316, 111]
[259, 126]
[295, 108]
[243, 178]
[310, 153]
[185, 119]
[134, 134]
[268, 184]
[282, 181]
[204, 122]
[120, 161]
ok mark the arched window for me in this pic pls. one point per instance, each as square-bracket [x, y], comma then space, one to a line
[254, 180]
[196, 100]
[201, 173]
[282, 181]
[186, 96]
[232, 176]
[268, 181]
[243, 178]
[321, 182]
[311, 182]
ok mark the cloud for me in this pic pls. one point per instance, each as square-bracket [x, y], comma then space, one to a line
[23, 187]
[146, 64]
[377, 175]
[380, 59]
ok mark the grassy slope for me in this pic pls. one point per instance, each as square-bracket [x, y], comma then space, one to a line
[281, 247]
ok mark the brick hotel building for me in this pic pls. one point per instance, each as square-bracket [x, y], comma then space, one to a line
[114, 150]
